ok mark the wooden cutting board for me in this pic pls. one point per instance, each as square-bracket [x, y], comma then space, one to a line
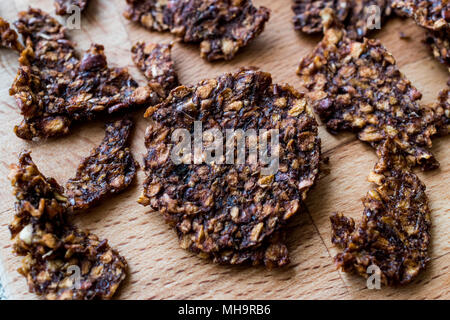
[159, 269]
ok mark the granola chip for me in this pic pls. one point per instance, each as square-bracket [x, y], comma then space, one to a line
[221, 27]
[352, 14]
[63, 7]
[439, 43]
[230, 209]
[357, 86]
[155, 61]
[8, 37]
[60, 261]
[430, 14]
[109, 169]
[394, 233]
[53, 87]
[442, 111]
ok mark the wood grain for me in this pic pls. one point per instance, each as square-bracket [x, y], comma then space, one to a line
[159, 269]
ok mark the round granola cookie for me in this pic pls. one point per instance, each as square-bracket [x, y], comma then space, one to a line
[222, 205]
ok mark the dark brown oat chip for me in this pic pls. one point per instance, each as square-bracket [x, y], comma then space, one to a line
[232, 212]
[60, 261]
[352, 14]
[109, 169]
[221, 27]
[430, 14]
[8, 37]
[63, 7]
[439, 43]
[53, 87]
[442, 111]
[356, 86]
[394, 233]
[155, 61]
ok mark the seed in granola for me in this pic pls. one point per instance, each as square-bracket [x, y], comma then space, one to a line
[221, 27]
[60, 261]
[357, 86]
[53, 87]
[65, 7]
[394, 233]
[109, 169]
[230, 212]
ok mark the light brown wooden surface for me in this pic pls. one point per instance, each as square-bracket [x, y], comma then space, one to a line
[159, 269]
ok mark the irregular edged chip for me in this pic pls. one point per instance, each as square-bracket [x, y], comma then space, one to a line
[430, 14]
[439, 42]
[155, 61]
[53, 87]
[221, 27]
[394, 233]
[8, 37]
[108, 170]
[357, 86]
[353, 14]
[60, 261]
[65, 7]
[230, 209]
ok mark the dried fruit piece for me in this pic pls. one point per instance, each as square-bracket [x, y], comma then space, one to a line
[155, 61]
[230, 210]
[430, 14]
[64, 7]
[61, 261]
[221, 27]
[9, 37]
[357, 86]
[439, 42]
[109, 169]
[394, 234]
[353, 14]
[53, 87]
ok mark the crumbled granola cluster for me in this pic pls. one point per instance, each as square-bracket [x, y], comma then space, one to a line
[60, 260]
[394, 233]
[8, 37]
[357, 86]
[442, 111]
[221, 27]
[53, 87]
[155, 61]
[108, 170]
[430, 14]
[63, 7]
[232, 213]
[353, 14]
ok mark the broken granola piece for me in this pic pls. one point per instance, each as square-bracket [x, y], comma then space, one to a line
[307, 13]
[109, 169]
[357, 86]
[64, 7]
[430, 14]
[8, 37]
[442, 111]
[439, 43]
[221, 27]
[61, 261]
[230, 210]
[394, 233]
[352, 14]
[53, 87]
[155, 61]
